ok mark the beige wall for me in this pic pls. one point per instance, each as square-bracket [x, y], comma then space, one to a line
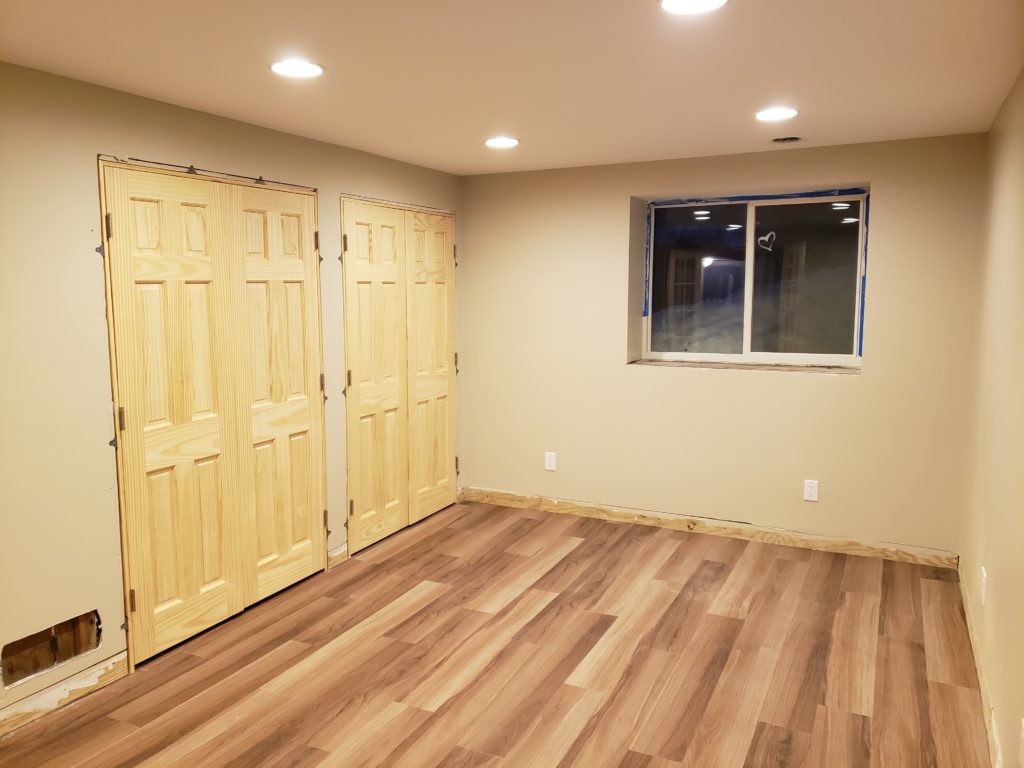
[544, 278]
[59, 537]
[544, 299]
[993, 526]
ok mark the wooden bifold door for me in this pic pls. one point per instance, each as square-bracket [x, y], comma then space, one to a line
[399, 269]
[215, 318]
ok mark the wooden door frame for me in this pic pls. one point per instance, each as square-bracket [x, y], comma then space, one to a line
[391, 204]
[103, 163]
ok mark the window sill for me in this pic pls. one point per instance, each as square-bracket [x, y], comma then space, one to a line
[845, 370]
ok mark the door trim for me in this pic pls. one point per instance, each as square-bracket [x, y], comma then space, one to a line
[395, 204]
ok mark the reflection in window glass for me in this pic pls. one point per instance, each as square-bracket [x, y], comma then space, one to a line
[697, 277]
[805, 275]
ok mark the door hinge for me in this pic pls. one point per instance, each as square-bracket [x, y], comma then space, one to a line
[344, 243]
[323, 386]
[131, 600]
[113, 442]
[456, 362]
[325, 523]
[351, 507]
[455, 255]
[316, 240]
[348, 381]
[124, 626]
[120, 418]
[109, 220]
[456, 465]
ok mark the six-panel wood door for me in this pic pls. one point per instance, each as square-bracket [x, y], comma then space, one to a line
[214, 297]
[400, 345]
[283, 438]
[215, 302]
[172, 307]
[377, 390]
[430, 266]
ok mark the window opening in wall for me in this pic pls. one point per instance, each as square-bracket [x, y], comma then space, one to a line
[49, 647]
[764, 280]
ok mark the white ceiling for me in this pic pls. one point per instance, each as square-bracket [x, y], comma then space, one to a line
[579, 82]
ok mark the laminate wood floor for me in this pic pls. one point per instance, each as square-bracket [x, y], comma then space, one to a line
[497, 637]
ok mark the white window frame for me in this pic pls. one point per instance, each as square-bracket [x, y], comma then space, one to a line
[747, 356]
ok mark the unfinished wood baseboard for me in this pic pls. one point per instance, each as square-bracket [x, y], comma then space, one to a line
[902, 553]
[88, 680]
[337, 555]
[986, 698]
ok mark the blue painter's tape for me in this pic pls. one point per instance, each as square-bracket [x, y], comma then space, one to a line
[647, 266]
[860, 331]
[748, 198]
[864, 277]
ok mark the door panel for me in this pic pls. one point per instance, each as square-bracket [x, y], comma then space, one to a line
[214, 291]
[171, 300]
[283, 437]
[431, 332]
[375, 333]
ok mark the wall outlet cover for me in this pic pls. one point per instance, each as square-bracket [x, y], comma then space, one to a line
[549, 461]
[810, 490]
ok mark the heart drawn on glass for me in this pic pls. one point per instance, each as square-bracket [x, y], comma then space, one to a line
[766, 241]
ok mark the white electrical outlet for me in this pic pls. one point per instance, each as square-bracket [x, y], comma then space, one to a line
[983, 584]
[810, 490]
[549, 461]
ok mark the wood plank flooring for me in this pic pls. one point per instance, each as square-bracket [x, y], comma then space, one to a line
[488, 636]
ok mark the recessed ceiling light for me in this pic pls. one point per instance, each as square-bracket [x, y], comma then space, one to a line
[702, 213]
[840, 206]
[775, 114]
[501, 142]
[702, 218]
[297, 68]
[850, 220]
[735, 226]
[691, 7]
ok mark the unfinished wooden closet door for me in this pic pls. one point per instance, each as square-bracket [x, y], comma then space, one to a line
[377, 390]
[283, 471]
[431, 287]
[172, 307]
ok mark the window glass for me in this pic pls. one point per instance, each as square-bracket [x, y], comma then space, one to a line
[698, 272]
[805, 275]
